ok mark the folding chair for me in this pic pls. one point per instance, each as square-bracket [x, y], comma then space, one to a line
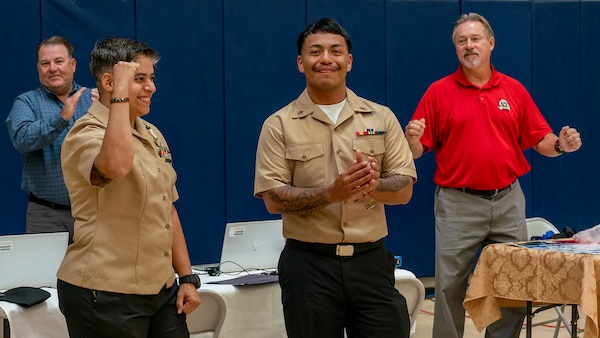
[413, 291]
[207, 320]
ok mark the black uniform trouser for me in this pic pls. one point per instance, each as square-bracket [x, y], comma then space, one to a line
[323, 294]
[91, 313]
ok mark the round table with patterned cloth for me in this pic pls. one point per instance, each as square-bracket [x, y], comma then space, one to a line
[545, 272]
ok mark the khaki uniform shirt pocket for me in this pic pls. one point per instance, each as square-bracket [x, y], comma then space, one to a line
[372, 145]
[307, 162]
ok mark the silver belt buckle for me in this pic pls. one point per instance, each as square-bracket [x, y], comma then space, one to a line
[346, 250]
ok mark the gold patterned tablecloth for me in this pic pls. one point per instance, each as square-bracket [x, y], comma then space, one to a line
[509, 275]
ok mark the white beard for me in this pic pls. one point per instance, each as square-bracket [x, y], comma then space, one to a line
[472, 63]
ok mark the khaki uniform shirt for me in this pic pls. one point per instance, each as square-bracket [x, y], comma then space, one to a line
[300, 146]
[123, 232]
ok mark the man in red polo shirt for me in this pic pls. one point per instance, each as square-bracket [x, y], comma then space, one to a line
[479, 121]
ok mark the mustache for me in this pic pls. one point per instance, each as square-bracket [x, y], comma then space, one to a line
[319, 68]
[471, 53]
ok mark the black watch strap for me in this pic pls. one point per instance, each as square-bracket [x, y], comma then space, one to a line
[192, 279]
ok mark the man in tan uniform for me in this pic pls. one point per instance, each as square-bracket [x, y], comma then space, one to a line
[328, 162]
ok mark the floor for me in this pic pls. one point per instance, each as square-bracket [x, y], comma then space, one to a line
[425, 321]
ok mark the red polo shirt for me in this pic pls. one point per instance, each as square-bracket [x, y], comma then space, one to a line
[479, 134]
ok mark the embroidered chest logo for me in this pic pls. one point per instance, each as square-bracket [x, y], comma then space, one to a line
[503, 105]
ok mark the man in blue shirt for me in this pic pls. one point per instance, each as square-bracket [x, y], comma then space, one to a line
[37, 125]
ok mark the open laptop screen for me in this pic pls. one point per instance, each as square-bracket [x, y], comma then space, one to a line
[251, 246]
[31, 259]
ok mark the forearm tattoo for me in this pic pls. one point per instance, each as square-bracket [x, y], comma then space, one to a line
[299, 200]
[393, 183]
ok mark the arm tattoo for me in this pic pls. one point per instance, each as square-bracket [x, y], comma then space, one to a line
[302, 201]
[393, 183]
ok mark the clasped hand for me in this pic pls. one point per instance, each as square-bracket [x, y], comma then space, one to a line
[360, 176]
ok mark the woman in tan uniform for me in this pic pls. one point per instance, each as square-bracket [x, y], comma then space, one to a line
[118, 277]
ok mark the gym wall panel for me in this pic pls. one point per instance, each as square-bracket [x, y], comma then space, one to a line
[261, 76]
[364, 20]
[20, 20]
[419, 51]
[587, 185]
[556, 87]
[188, 108]
[511, 22]
[228, 64]
[83, 23]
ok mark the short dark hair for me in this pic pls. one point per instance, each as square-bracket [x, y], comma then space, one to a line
[55, 41]
[109, 51]
[324, 25]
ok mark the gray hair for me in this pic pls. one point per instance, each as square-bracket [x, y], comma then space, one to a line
[489, 32]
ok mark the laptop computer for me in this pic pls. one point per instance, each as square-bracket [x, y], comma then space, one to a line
[31, 259]
[251, 246]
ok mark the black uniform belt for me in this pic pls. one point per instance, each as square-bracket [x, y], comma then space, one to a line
[48, 204]
[339, 250]
[487, 193]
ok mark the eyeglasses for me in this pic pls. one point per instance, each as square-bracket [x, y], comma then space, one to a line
[370, 204]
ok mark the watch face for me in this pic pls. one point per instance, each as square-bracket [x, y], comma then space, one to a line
[196, 280]
[192, 279]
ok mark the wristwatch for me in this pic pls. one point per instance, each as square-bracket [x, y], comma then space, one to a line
[192, 279]
[558, 148]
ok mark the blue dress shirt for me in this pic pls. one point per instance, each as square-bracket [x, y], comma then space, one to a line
[37, 131]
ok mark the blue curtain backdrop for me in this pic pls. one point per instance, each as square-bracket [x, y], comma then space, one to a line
[227, 64]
